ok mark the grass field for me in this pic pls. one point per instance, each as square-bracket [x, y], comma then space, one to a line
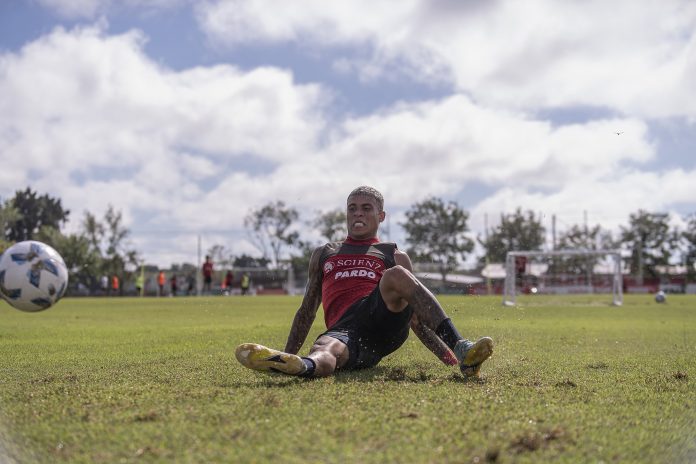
[155, 380]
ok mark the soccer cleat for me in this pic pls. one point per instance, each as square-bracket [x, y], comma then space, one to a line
[474, 355]
[261, 358]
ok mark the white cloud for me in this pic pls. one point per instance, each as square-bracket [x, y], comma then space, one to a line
[243, 21]
[75, 8]
[81, 104]
[88, 117]
[636, 60]
[448, 143]
[608, 201]
[90, 9]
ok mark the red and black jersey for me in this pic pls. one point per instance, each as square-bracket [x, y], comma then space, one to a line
[350, 270]
[207, 269]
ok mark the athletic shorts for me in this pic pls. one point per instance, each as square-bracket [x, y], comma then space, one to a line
[370, 330]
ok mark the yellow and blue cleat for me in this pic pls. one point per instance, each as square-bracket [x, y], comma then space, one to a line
[474, 355]
[263, 359]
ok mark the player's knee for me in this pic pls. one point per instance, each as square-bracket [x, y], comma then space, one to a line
[397, 273]
[328, 354]
[399, 278]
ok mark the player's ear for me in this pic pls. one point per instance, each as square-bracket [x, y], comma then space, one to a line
[382, 215]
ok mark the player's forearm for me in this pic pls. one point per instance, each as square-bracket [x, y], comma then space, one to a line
[434, 343]
[304, 318]
[300, 328]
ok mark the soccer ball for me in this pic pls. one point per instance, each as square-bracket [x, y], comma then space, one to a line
[660, 297]
[33, 276]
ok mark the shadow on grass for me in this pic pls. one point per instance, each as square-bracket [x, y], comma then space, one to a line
[401, 374]
[368, 375]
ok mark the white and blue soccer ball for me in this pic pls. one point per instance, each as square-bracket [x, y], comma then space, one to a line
[660, 297]
[33, 276]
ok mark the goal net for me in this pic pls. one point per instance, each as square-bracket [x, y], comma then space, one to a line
[563, 272]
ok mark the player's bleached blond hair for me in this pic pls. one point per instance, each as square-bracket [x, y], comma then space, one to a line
[369, 192]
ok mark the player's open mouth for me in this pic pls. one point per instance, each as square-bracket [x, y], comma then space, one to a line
[359, 224]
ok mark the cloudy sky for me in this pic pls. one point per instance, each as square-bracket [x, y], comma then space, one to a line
[184, 114]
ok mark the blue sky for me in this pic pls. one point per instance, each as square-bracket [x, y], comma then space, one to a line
[185, 115]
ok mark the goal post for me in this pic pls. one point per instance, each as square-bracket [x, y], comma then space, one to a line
[552, 279]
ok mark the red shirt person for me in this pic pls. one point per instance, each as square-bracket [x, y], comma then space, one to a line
[207, 274]
[229, 279]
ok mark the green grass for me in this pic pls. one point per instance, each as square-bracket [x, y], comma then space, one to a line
[155, 380]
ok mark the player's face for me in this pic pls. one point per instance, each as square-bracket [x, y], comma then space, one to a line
[363, 217]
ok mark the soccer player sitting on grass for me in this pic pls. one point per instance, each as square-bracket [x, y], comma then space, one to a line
[370, 299]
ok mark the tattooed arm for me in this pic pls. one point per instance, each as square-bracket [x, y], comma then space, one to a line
[308, 309]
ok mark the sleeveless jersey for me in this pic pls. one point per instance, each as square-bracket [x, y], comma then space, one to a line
[351, 270]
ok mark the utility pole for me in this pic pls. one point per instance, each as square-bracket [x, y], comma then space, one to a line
[489, 287]
[589, 261]
[198, 274]
[553, 245]
[641, 245]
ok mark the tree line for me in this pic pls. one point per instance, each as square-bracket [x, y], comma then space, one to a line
[98, 248]
[436, 232]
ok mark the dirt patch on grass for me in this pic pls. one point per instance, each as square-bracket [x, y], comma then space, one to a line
[396, 374]
[567, 384]
[530, 383]
[149, 416]
[399, 374]
[533, 441]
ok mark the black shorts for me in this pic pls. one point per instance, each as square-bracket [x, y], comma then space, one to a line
[370, 330]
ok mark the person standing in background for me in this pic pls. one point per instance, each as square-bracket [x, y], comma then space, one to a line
[139, 284]
[207, 274]
[229, 280]
[245, 283]
[115, 284]
[161, 279]
[173, 284]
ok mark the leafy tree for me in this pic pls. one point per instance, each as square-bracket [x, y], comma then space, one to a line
[270, 229]
[31, 212]
[94, 231]
[8, 216]
[184, 268]
[82, 261]
[108, 240]
[221, 256]
[581, 238]
[332, 224]
[436, 232]
[650, 242]
[517, 231]
[689, 236]
[249, 261]
[300, 261]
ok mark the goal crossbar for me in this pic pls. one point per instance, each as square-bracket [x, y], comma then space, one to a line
[510, 288]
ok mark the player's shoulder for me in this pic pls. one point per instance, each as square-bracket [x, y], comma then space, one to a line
[398, 252]
[401, 258]
[326, 248]
[321, 252]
